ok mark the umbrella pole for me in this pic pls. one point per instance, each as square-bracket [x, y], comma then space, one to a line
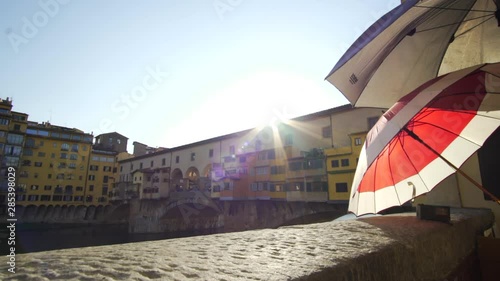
[417, 138]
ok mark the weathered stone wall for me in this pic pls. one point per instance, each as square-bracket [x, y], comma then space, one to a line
[72, 214]
[154, 216]
[388, 248]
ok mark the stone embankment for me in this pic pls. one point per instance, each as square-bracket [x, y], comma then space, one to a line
[170, 216]
[72, 214]
[396, 247]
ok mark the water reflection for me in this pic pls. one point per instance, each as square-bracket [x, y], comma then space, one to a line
[34, 238]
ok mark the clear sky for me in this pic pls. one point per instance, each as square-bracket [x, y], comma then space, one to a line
[173, 72]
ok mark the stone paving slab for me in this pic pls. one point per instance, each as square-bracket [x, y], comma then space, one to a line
[379, 248]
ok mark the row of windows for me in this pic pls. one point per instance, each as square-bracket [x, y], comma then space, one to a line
[103, 159]
[319, 186]
[66, 136]
[104, 168]
[62, 155]
[57, 189]
[343, 162]
[30, 143]
[57, 198]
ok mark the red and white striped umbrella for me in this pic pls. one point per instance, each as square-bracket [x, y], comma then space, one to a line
[422, 138]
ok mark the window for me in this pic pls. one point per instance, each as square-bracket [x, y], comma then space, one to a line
[152, 163]
[104, 191]
[243, 159]
[295, 186]
[314, 164]
[14, 150]
[231, 149]
[91, 188]
[17, 127]
[105, 179]
[121, 168]
[341, 187]
[64, 147]
[335, 163]
[49, 176]
[261, 155]
[72, 165]
[289, 139]
[57, 198]
[357, 141]
[79, 188]
[34, 187]
[94, 167]
[344, 162]
[28, 152]
[131, 166]
[45, 198]
[253, 186]
[91, 177]
[193, 156]
[62, 165]
[60, 176]
[73, 156]
[177, 158]
[295, 166]
[106, 168]
[89, 198]
[33, 198]
[372, 121]
[261, 170]
[52, 155]
[29, 142]
[275, 170]
[228, 186]
[326, 132]
[41, 154]
[64, 155]
[74, 148]
[38, 164]
[47, 187]
[4, 121]
[211, 153]
[163, 162]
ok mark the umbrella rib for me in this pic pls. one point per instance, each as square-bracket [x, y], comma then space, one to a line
[475, 26]
[418, 173]
[454, 9]
[391, 174]
[446, 130]
[450, 24]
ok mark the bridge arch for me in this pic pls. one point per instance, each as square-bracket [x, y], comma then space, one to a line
[177, 180]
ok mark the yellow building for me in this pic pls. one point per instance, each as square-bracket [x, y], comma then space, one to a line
[12, 135]
[341, 165]
[103, 166]
[53, 166]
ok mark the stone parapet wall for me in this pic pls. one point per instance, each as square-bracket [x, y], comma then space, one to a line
[396, 247]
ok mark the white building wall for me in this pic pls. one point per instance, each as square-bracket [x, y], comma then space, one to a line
[351, 121]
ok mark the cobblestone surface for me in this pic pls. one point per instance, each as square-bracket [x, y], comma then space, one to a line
[338, 250]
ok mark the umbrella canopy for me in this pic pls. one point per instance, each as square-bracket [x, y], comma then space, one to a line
[413, 43]
[422, 138]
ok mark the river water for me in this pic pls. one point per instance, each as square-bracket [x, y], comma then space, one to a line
[35, 238]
